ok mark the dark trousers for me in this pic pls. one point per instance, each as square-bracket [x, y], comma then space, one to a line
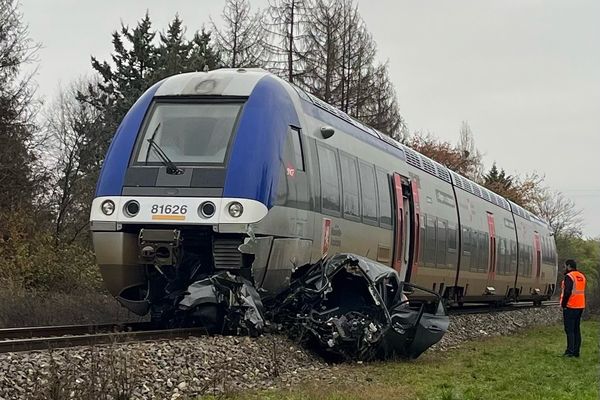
[572, 319]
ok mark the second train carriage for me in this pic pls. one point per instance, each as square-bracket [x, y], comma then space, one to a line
[238, 170]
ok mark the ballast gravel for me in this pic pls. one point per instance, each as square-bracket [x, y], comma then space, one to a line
[186, 369]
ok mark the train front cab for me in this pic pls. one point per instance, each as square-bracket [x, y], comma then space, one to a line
[223, 134]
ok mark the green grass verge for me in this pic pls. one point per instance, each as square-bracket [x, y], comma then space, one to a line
[526, 366]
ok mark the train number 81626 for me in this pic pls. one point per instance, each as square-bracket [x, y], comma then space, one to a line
[168, 209]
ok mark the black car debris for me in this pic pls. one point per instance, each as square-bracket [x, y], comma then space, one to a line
[347, 307]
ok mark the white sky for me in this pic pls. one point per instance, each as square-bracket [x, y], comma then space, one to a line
[524, 73]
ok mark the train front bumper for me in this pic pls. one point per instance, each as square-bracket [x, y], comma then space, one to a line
[115, 235]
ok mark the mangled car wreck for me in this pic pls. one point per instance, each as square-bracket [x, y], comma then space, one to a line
[347, 307]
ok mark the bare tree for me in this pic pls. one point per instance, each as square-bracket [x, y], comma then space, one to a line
[381, 109]
[241, 42]
[285, 30]
[470, 153]
[560, 212]
[67, 121]
[323, 51]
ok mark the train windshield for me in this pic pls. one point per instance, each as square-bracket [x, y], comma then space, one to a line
[189, 133]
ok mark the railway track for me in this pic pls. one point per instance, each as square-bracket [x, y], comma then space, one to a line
[54, 337]
[487, 308]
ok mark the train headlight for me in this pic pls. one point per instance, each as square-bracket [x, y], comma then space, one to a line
[235, 209]
[207, 209]
[108, 207]
[132, 208]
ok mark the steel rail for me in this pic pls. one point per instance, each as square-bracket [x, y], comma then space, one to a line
[491, 308]
[61, 330]
[55, 342]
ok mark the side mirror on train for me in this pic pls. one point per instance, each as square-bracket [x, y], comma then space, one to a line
[327, 132]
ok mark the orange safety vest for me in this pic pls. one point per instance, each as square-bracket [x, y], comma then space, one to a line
[577, 298]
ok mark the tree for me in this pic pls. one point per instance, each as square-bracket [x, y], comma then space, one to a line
[285, 34]
[241, 41]
[18, 175]
[564, 218]
[203, 55]
[67, 121]
[137, 62]
[445, 153]
[466, 146]
[339, 66]
[381, 108]
[321, 75]
[173, 50]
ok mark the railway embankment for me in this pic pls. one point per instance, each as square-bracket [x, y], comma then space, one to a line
[203, 365]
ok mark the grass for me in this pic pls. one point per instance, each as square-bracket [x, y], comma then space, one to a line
[20, 308]
[526, 366]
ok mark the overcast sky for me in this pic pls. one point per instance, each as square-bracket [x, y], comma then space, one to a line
[525, 74]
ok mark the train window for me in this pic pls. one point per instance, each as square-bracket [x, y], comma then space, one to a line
[474, 249]
[296, 146]
[430, 241]
[452, 240]
[466, 247]
[485, 251]
[188, 133]
[330, 184]
[521, 260]
[385, 201]
[442, 243]
[479, 258]
[502, 258]
[350, 188]
[368, 193]
[513, 256]
[422, 236]
[525, 260]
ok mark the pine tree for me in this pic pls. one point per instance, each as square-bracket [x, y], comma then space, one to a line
[498, 178]
[173, 52]
[18, 177]
[137, 62]
[203, 54]
[134, 62]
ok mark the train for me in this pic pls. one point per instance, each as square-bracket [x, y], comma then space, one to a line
[238, 170]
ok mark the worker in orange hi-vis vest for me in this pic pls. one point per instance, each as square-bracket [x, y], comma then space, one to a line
[572, 301]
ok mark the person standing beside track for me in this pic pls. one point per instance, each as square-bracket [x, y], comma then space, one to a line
[572, 301]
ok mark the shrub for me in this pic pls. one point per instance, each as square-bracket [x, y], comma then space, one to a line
[31, 258]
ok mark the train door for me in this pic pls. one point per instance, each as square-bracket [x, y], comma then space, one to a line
[404, 239]
[492, 246]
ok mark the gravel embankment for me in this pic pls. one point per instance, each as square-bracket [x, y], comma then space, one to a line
[183, 369]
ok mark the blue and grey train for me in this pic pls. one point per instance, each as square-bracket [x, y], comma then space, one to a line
[241, 171]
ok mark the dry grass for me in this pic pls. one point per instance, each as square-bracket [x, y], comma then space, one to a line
[20, 308]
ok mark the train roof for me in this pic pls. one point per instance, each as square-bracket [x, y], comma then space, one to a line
[241, 81]
[221, 82]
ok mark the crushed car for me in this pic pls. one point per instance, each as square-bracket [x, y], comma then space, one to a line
[346, 307]
[223, 303]
[351, 308]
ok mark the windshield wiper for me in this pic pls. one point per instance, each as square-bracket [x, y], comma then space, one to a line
[172, 169]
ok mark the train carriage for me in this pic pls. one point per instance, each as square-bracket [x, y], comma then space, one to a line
[238, 170]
